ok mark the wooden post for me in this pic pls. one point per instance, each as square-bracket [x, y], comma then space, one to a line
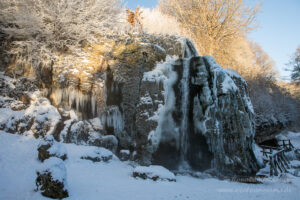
[271, 165]
[281, 163]
[285, 160]
[275, 167]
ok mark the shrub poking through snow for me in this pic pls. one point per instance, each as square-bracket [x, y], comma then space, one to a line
[154, 172]
[50, 148]
[51, 179]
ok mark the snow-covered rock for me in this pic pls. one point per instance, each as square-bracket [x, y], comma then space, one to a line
[50, 148]
[51, 179]
[153, 172]
[96, 154]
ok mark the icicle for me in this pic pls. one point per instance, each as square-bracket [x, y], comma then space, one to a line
[75, 98]
[114, 118]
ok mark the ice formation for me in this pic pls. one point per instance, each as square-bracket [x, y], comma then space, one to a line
[114, 118]
[74, 99]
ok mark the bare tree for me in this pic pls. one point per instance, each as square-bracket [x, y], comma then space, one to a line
[213, 25]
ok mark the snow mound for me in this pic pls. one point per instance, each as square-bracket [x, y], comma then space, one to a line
[153, 172]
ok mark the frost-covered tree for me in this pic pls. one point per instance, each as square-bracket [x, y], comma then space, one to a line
[37, 30]
[59, 19]
[155, 22]
[295, 63]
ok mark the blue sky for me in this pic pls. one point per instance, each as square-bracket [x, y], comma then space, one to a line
[279, 31]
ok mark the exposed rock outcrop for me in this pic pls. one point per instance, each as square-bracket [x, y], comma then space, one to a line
[154, 96]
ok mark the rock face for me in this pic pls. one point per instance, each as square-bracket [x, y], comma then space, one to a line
[156, 97]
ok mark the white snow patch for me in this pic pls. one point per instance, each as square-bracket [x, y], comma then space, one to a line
[228, 85]
[125, 151]
[249, 103]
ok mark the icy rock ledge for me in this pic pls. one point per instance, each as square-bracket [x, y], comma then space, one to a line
[154, 172]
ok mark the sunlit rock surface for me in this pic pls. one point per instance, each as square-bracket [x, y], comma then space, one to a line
[152, 95]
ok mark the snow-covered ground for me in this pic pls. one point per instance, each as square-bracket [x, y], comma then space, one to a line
[113, 180]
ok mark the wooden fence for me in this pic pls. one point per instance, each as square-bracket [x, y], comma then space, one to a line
[277, 158]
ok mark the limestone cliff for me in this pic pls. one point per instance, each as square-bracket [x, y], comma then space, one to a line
[151, 95]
